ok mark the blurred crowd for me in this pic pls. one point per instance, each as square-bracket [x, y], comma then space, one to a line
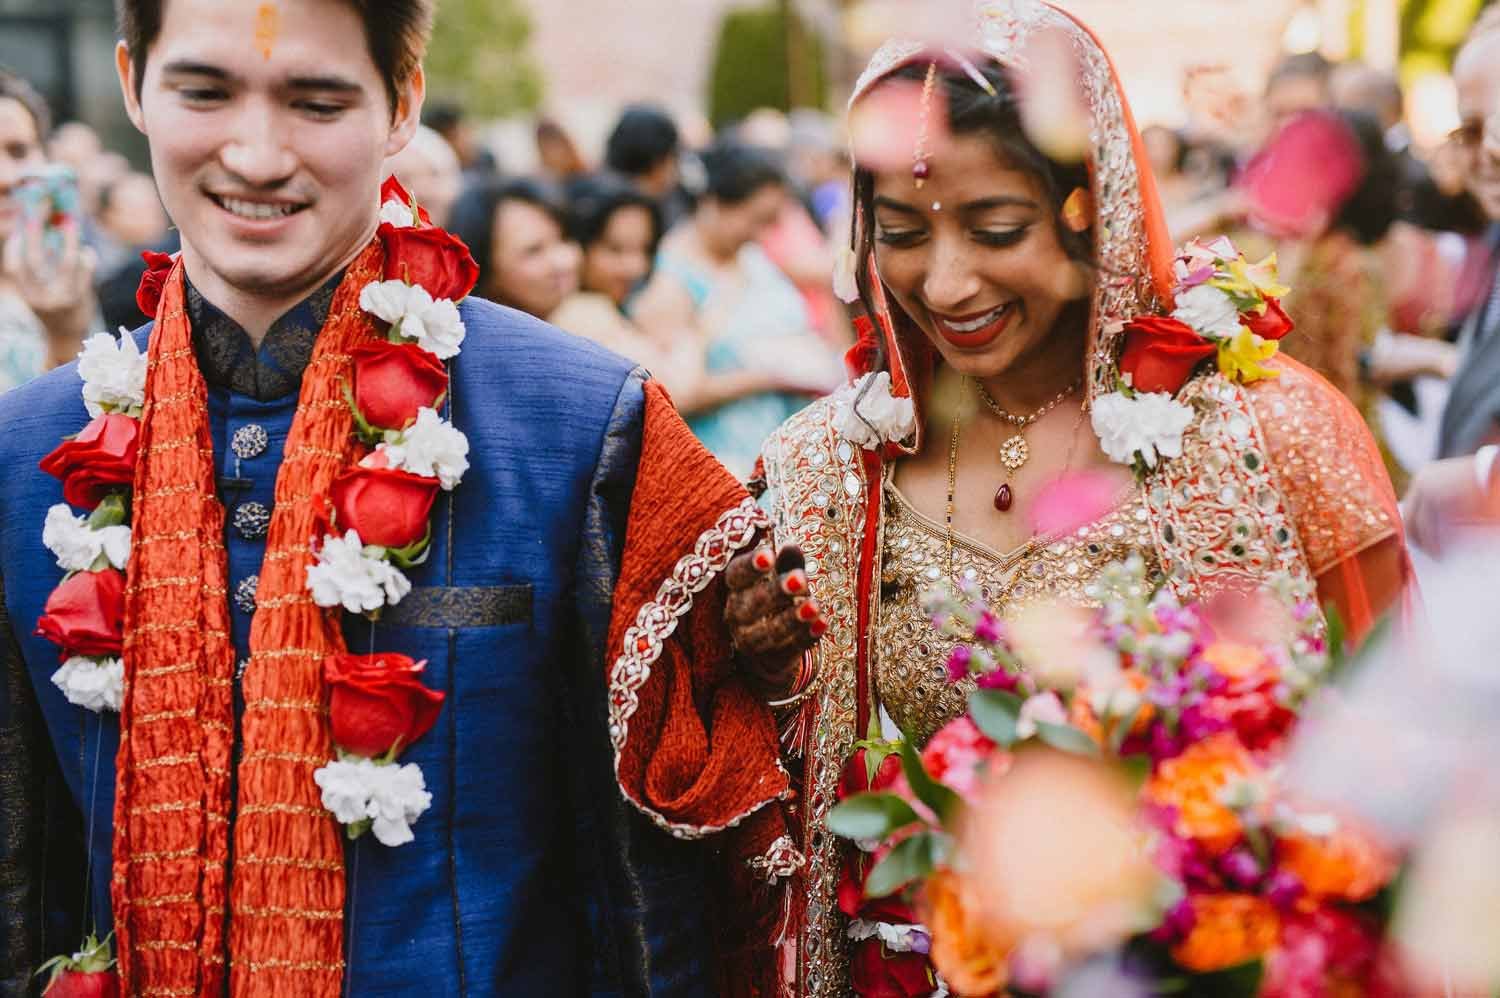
[710, 260]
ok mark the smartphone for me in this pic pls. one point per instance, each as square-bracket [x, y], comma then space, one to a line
[49, 215]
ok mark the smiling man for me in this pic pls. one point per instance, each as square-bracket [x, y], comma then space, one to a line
[542, 575]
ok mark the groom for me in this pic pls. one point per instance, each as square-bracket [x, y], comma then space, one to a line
[569, 610]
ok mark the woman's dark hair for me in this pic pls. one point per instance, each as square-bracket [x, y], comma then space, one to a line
[474, 213]
[994, 113]
[13, 87]
[1371, 210]
[593, 200]
[643, 137]
[735, 172]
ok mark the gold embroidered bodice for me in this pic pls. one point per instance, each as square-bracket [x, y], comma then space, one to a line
[911, 676]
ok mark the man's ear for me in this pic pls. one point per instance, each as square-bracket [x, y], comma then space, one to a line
[125, 69]
[408, 114]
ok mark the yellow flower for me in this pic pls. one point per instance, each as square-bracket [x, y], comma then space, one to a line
[1241, 355]
[1248, 282]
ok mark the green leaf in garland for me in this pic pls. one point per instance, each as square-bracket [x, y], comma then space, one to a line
[109, 513]
[996, 713]
[1242, 981]
[414, 553]
[1122, 729]
[911, 859]
[870, 816]
[1067, 738]
[943, 801]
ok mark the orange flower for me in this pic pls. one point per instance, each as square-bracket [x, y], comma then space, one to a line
[1230, 929]
[1193, 783]
[1082, 717]
[972, 958]
[1349, 864]
[1235, 661]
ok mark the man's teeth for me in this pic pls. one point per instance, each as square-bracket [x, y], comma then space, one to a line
[975, 325]
[257, 210]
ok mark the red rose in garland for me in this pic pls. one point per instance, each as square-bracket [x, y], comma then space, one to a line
[388, 507]
[875, 972]
[85, 615]
[393, 380]
[1273, 324]
[378, 701]
[392, 190]
[148, 294]
[437, 261]
[101, 458]
[1161, 352]
[89, 973]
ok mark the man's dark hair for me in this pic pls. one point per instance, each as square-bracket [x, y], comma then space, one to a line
[643, 137]
[593, 200]
[396, 32]
[735, 172]
[442, 116]
[13, 87]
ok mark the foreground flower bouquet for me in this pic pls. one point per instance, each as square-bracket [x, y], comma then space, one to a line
[1108, 814]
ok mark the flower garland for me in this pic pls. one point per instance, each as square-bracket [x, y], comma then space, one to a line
[1224, 307]
[378, 518]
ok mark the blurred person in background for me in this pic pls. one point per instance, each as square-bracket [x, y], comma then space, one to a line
[1299, 82]
[450, 121]
[617, 227]
[131, 218]
[46, 304]
[557, 153]
[819, 165]
[1458, 487]
[716, 289]
[644, 147]
[517, 232]
[430, 169]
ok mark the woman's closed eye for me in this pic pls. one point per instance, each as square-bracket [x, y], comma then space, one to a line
[1000, 238]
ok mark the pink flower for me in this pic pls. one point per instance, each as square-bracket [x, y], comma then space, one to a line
[988, 629]
[958, 663]
[1044, 708]
[956, 754]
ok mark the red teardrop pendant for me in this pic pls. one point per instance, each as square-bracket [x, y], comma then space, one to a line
[1003, 498]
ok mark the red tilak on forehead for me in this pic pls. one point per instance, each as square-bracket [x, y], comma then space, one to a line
[267, 27]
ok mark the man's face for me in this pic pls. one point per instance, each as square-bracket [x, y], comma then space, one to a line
[1476, 76]
[268, 125]
[1291, 95]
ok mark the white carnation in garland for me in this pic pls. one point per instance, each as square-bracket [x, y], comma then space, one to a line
[391, 797]
[880, 417]
[78, 545]
[356, 577]
[1209, 311]
[1149, 426]
[845, 286]
[897, 937]
[114, 374]
[430, 447]
[397, 213]
[93, 684]
[434, 324]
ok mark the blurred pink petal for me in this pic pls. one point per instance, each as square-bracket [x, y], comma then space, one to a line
[1075, 499]
[883, 127]
[1052, 105]
[1302, 177]
[1248, 617]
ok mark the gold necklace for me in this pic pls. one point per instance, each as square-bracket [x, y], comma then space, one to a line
[1015, 451]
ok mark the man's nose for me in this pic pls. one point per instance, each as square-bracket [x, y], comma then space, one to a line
[258, 155]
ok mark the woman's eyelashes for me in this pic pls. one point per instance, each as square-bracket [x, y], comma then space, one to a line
[901, 238]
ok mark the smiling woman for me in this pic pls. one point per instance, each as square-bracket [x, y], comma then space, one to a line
[1010, 295]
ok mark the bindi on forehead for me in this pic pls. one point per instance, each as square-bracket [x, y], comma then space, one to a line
[267, 27]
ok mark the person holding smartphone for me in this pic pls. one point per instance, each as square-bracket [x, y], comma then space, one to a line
[46, 279]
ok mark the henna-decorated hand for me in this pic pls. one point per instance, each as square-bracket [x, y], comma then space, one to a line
[772, 617]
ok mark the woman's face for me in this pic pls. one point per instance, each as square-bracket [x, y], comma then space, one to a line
[974, 257]
[734, 224]
[533, 267]
[621, 257]
[20, 151]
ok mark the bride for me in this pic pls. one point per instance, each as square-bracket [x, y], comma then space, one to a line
[1009, 293]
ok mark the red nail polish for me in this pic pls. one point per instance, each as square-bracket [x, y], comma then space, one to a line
[795, 583]
[808, 611]
[818, 628]
[763, 561]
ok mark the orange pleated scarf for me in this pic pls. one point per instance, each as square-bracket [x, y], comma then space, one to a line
[171, 890]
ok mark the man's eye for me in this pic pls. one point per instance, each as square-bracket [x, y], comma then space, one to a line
[320, 109]
[201, 95]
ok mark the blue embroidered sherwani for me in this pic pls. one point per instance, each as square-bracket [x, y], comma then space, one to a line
[529, 875]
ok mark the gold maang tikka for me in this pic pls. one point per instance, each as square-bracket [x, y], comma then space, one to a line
[921, 169]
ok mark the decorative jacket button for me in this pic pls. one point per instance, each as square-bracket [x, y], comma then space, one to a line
[252, 520]
[250, 440]
[244, 593]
